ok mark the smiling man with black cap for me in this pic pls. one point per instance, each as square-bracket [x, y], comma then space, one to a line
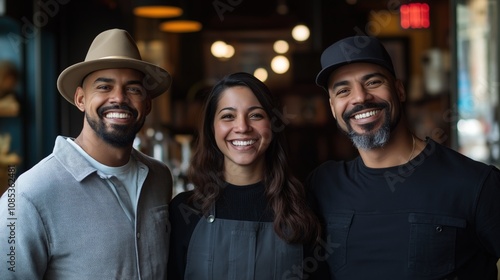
[95, 208]
[406, 208]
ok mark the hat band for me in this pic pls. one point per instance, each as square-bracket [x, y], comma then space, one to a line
[115, 57]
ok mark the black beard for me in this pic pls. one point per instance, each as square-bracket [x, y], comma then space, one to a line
[119, 136]
[371, 139]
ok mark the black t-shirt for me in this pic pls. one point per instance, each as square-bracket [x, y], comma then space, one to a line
[436, 217]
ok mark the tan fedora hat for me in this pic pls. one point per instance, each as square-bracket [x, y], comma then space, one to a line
[113, 48]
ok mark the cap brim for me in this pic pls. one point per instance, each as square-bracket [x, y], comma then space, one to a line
[324, 74]
[156, 79]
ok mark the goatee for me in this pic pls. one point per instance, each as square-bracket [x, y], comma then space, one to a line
[119, 135]
[371, 138]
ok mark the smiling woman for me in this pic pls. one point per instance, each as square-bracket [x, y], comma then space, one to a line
[247, 210]
[242, 133]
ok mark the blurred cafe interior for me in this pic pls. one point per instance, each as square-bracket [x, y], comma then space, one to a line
[445, 51]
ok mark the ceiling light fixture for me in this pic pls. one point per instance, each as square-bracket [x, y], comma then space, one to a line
[186, 23]
[261, 74]
[280, 64]
[181, 26]
[281, 46]
[300, 32]
[222, 50]
[156, 9]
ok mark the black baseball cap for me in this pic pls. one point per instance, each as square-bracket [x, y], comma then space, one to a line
[350, 50]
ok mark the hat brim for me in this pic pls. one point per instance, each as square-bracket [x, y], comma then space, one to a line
[324, 74]
[156, 79]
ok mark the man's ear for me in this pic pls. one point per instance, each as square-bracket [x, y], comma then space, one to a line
[332, 107]
[79, 99]
[400, 89]
[148, 105]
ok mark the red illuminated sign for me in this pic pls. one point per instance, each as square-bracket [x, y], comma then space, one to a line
[415, 15]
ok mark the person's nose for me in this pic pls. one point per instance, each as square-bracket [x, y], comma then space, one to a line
[241, 125]
[118, 95]
[360, 94]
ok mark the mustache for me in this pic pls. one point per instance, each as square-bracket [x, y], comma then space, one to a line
[360, 107]
[123, 107]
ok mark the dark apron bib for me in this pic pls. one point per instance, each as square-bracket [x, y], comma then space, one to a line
[222, 249]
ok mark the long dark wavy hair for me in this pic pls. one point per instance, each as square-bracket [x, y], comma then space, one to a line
[294, 221]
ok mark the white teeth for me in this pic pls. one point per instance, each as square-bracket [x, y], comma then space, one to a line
[115, 115]
[242, 143]
[366, 115]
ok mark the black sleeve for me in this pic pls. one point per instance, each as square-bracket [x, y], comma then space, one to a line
[183, 220]
[488, 214]
[315, 264]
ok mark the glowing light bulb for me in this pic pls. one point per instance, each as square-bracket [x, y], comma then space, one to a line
[229, 51]
[300, 32]
[261, 74]
[280, 64]
[281, 46]
[218, 48]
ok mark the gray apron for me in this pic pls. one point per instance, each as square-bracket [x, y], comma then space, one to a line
[222, 249]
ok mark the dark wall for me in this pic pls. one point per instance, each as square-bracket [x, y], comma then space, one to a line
[53, 35]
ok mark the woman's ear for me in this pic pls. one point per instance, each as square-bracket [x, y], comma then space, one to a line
[79, 99]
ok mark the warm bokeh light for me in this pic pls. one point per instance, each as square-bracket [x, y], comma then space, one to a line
[181, 26]
[218, 49]
[281, 46]
[229, 51]
[300, 32]
[280, 64]
[261, 74]
[282, 9]
[157, 11]
[222, 50]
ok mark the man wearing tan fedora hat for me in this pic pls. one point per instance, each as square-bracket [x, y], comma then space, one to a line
[95, 208]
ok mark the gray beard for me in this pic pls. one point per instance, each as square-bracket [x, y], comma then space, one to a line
[372, 140]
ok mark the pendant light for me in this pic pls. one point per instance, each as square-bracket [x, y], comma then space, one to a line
[156, 9]
[185, 23]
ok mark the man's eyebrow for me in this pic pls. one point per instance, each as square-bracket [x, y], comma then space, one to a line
[134, 82]
[110, 80]
[339, 84]
[103, 80]
[364, 78]
[371, 75]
